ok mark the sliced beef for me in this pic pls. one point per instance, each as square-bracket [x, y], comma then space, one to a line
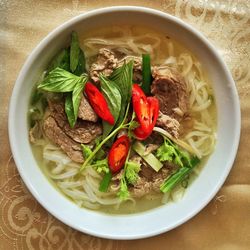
[58, 136]
[57, 129]
[137, 74]
[83, 131]
[169, 124]
[86, 112]
[108, 60]
[106, 63]
[149, 180]
[171, 90]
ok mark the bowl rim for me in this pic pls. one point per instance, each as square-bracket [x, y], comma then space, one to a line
[72, 21]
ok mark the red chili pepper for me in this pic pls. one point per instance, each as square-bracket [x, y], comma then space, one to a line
[146, 110]
[118, 153]
[140, 134]
[99, 103]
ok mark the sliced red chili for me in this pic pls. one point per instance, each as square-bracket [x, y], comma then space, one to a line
[140, 134]
[153, 104]
[146, 110]
[140, 106]
[99, 103]
[118, 153]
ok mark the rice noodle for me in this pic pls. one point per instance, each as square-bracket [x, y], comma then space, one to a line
[83, 190]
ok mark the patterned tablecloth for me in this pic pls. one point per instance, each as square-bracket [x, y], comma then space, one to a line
[223, 224]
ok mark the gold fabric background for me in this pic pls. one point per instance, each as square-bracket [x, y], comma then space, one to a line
[223, 224]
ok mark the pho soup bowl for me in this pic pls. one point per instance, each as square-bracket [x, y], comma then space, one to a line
[203, 188]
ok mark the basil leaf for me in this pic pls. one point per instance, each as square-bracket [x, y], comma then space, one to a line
[77, 95]
[61, 60]
[74, 51]
[81, 64]
[60, 80]
[69, 110]
[113, 98]
[73, 100]
[122, 77]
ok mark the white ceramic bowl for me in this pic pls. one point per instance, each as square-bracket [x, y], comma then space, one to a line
[157, 220]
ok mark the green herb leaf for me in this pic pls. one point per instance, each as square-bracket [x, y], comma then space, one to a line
[101, 166]
[73, 100]
[61, 60]
[179, 176]
[86, 151]
[122, 77]
[131, 171]
[81, 64]
[165, 152]
[74, 51]
[60, 80]
[105, 182]
[69, 110]
[123, 193]
[169, 151]
[77, 95]
[113, 98]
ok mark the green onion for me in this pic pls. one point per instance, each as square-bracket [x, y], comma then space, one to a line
[105, 182]
[146, 73]
[178, 176]
[140, 149]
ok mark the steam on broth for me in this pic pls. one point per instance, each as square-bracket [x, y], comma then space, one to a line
[143, 181]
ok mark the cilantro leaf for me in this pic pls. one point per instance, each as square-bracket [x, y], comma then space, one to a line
[101, 166]
[123, 193]
[129, 176]
[86, 151]
[169, 151]
[131, 172]
[165, 152]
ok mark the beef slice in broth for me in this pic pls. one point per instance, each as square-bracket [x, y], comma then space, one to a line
[170, 89]
[57, 129]
[86, 112]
